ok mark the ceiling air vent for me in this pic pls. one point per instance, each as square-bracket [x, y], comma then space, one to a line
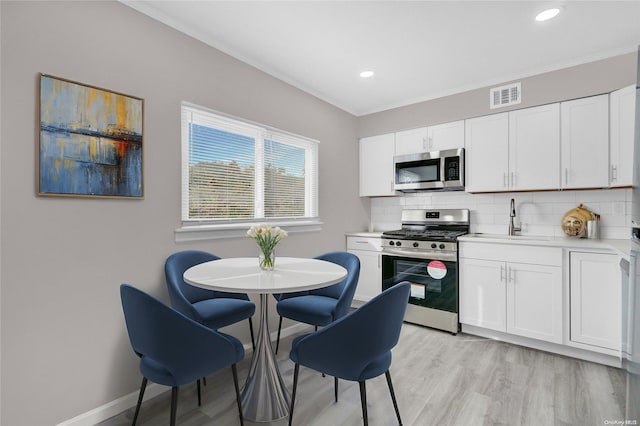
[502, 96]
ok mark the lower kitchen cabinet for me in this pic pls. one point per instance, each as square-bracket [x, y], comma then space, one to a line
[483, 294]
[595, 285]
[501, 292]
[534, 301]
[370, 281]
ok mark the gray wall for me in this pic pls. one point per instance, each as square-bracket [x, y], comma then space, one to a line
[64, 346]
[583, 80]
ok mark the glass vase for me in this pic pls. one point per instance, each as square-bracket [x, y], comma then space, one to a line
[267, 260]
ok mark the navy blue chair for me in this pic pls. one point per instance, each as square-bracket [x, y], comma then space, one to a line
[322, 306]
[215, 309]
[174, 350]
[356, 347]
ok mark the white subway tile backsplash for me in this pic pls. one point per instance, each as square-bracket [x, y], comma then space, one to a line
[539, 213]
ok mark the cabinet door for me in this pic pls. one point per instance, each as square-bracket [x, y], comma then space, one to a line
[622, 116]
[487, 153]
[482, 293]
[585, 143]
[370, 279]
[534, 301]
[412, 141]
[446, 136]
[595, 282]
[534, 148]
[376, 165]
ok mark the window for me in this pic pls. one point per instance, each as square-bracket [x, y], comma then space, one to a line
[235, 173]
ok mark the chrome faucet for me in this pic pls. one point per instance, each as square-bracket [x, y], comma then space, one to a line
[512, 215]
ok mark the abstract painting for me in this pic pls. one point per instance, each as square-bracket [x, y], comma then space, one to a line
[90, 141]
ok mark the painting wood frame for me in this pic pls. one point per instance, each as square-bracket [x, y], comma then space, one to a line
[90, 141]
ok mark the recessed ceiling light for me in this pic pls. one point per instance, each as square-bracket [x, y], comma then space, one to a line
[366, 74]
[545, 15]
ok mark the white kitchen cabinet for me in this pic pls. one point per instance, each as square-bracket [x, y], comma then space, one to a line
[412, 141]
[376, 165]
[512, 289]
[368, 251]
[483, 294]
[433, 138]
[595, 291]
[622, 107]
[585, 143]
[534, 301]
[534, 148]
[446, 136]
[514, 151]
[487, 153]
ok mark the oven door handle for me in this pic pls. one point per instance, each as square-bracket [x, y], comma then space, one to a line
[427, 255]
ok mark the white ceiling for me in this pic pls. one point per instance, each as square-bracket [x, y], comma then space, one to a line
[419, 50]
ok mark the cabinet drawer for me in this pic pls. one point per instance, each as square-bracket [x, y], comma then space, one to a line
[536, 255]
[364, 243]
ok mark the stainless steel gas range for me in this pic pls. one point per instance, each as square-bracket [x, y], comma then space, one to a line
[425, 253]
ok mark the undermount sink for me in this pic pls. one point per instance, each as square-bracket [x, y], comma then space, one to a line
[512, 237]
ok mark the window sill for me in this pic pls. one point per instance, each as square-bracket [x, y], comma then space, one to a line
[197, 232]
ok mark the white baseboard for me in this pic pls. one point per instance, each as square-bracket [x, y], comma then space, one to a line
[121, 404]
[112, 408]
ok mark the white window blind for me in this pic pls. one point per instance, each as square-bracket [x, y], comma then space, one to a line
[241, 172]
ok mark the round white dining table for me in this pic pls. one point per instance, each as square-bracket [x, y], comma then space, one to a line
[264, 396]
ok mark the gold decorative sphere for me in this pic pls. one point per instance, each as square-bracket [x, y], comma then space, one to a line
[574, 222]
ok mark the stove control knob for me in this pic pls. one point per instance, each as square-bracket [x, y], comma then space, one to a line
[398, 243]
[441, 246]
[391, 243]
[416, 245]
[433, 245]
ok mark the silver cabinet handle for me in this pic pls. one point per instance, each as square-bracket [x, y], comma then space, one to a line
[501, 273]
[614, 172]
[512, 274]
[504, 179]
[566, 176]
[513, 179]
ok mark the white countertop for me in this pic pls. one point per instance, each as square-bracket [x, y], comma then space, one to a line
[365, 234]
[622, 247]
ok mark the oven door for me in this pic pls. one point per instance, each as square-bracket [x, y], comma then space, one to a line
[434, 282]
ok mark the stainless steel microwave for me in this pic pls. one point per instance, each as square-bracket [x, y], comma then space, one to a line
[434, 171]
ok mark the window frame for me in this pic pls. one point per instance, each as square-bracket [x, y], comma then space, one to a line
[206, 229]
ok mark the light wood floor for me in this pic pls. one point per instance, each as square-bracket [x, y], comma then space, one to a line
[439, 379]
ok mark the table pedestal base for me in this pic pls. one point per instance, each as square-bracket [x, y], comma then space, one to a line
[264, 396]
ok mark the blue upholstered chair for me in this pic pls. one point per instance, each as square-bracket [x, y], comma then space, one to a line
[356, 347]
[174, 350]
[215, 309]
[322, 306]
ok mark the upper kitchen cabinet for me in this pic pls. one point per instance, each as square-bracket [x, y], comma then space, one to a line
[432, 138]
[446, 136]
[487, 152]
[412, 141]
[585, 143]
[534, 148]
[376, 165]
[622, 118]
[514, 151]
